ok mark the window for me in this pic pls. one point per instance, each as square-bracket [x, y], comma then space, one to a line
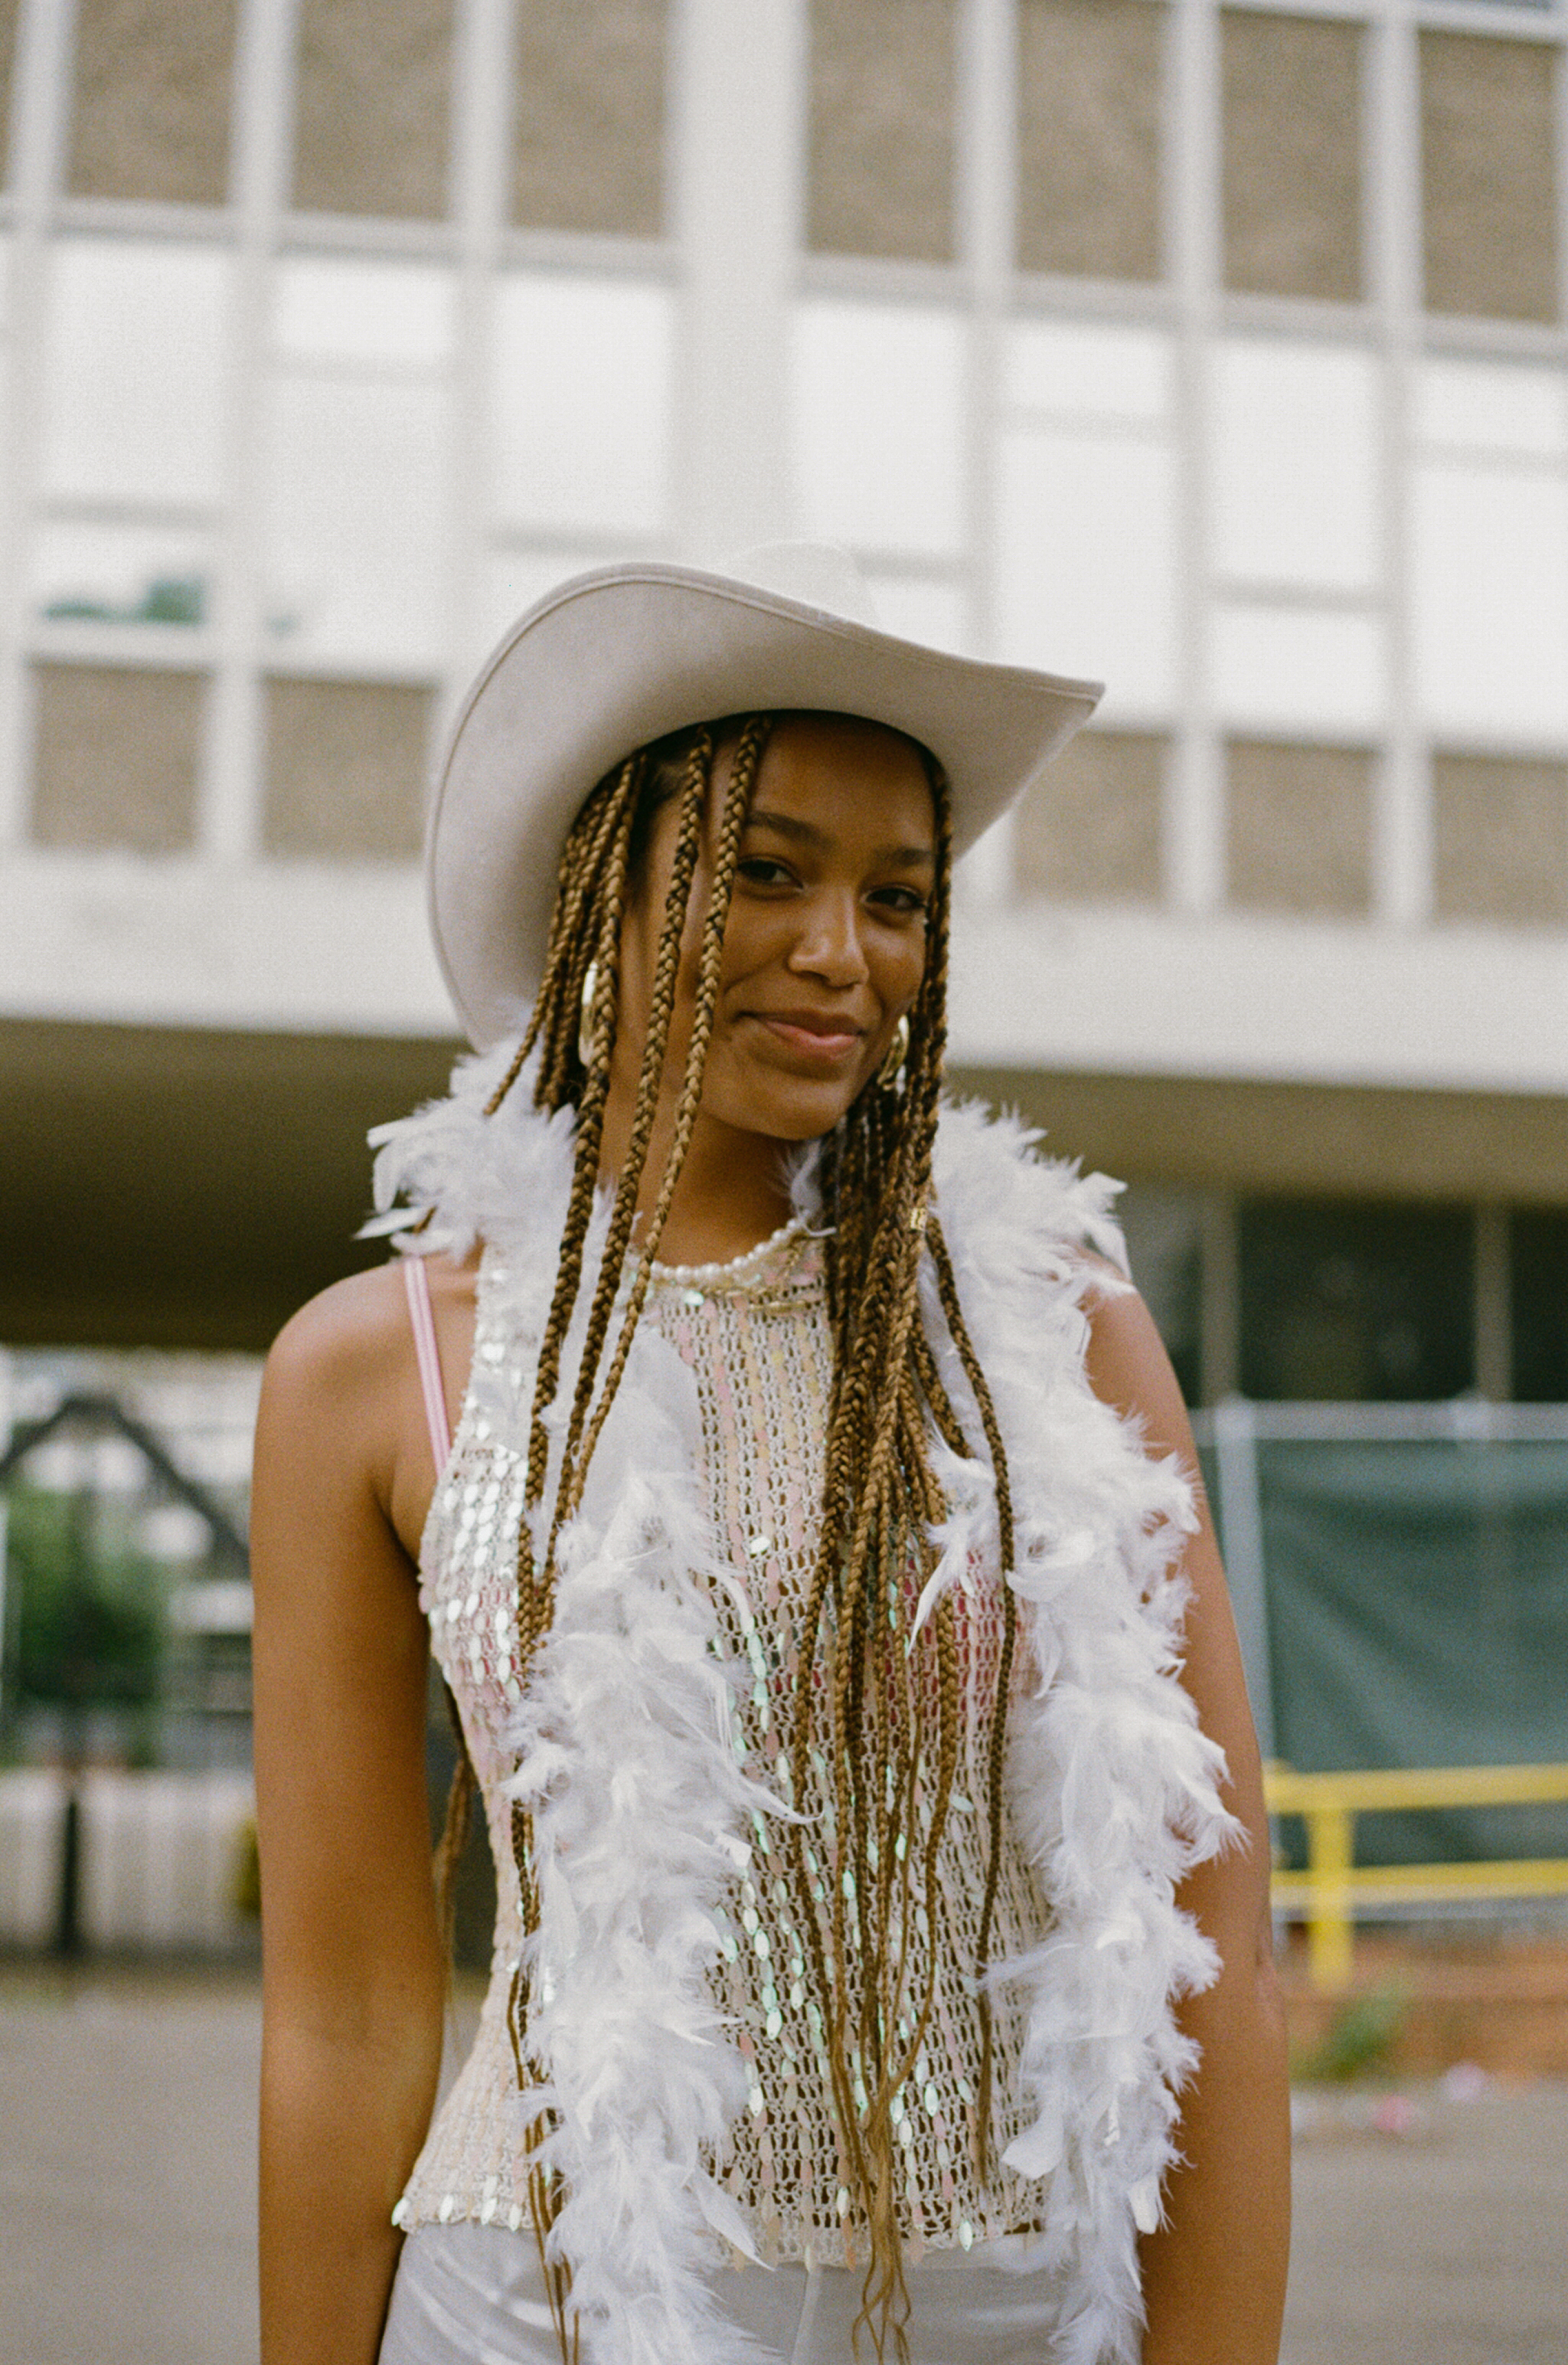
[134, 343]
[881, 170]
[1298, 827]
[115, 757]
[150, 113]
[1292, 132]
[1537, 1279]
[1500, 831]
[1488, 560]
[345, 770]
[1163, 1227]
[1086, 510]
[1088, 829]
[358, 402]
[581, 396]
[1346, 1300]
[1089, 100]
[373, 97]
[1488, 184]
[1295, 447]
[873, 468]
[589, 139]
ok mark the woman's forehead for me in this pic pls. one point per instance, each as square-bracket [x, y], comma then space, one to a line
[829, 756]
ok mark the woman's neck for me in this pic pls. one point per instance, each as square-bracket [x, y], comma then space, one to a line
[731, 1193]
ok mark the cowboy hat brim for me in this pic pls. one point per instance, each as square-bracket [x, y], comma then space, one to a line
[617, 657]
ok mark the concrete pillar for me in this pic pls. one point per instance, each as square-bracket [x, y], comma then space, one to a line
[738, 129]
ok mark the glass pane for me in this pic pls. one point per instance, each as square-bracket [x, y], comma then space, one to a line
[1163, 1228]
[1090, 829]
[1489, 198]
[1090, 76]
[880, 179]
[150, 113]
[878, 425]
[1086, 563]
[1341, 1300]
[1500, 841]
[1491, 406]
[1294, 453]
[1077, 366]
[1289, 669]
[1489, 600]
[1292, 131]
[331, 309]
[582, 402]
[589, 139]
[1537, 1256]
[116, 755]
[134, 363]
[345, 770]
[9, 10]
[373, 103]
[1299, 823]
[350, 572]
[120, 575]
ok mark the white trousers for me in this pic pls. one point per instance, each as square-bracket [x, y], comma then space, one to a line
[468, 2294]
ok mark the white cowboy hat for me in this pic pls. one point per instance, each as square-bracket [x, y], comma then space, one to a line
[610, 660]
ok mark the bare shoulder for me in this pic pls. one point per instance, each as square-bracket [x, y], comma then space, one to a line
[341, 1335]
[341, 1397]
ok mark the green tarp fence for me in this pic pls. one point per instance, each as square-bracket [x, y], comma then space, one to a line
[1404, 1602]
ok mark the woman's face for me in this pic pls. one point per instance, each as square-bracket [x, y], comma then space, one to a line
[824, 945]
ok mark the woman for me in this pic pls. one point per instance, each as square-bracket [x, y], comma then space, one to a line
[883, 1942]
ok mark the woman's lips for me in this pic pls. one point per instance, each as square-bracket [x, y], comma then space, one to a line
[820, 1039]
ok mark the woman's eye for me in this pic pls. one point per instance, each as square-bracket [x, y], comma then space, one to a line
[762, 870]
[905, 901]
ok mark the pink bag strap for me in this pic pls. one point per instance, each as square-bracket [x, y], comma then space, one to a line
[416, 1281]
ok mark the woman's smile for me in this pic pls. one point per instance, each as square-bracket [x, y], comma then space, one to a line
[825, 1038]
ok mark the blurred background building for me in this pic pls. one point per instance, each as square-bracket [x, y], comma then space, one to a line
[1218, 350]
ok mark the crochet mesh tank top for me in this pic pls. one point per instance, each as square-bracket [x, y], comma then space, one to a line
[754, 1335]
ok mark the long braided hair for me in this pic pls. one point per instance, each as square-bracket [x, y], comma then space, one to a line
[895, 1723]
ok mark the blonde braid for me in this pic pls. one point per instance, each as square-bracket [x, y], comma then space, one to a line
[891, 1771]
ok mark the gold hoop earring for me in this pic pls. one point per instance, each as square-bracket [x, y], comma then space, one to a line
[585, 1019]
[890, 1072]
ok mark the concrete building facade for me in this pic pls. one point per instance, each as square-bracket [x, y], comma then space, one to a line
[1216, 351]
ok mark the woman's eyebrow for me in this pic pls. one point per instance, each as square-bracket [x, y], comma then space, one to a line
[805, 832]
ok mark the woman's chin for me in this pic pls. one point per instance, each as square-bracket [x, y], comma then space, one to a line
[781, 1106]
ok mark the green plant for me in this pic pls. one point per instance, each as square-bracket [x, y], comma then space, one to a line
[1360, 2037]
[92, 1622]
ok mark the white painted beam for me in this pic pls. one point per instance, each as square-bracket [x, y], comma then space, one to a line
[738, 128]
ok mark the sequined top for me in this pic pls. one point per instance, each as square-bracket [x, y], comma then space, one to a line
[755, 1336]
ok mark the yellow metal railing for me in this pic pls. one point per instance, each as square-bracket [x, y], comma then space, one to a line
[1334, 1888]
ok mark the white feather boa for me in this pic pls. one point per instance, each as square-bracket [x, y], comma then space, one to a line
[640, 1807]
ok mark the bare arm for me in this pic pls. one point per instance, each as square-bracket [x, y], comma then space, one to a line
[1214, 2275]
[353, 1977]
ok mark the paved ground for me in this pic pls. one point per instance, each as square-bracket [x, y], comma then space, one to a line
[127, 2190]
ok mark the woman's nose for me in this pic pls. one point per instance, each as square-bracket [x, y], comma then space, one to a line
[829, 944]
